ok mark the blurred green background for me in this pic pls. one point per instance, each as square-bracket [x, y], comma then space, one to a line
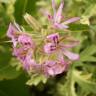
[80, 80]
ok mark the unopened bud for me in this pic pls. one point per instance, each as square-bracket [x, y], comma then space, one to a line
[32, 22]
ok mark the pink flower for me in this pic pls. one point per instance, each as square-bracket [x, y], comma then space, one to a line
[47, 68]
[50, 47]
[53, 38]
[20, 53]
[57, 46]
[53, 68]
[22, 42]
[26, 41]
[57, 17]
[25, 44]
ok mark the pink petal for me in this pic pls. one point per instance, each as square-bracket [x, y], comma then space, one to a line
[71, 20]
[50, 72]
[14, 40]
[53, 37]
[26, 40]
[70, 55]
[53, 68]
[60, 26]
[53, 6]
[13, 33]
[11, 30]
[29, 62]
[58, 16]
[70, 44]
[19, 53]
[60, 56]
[58, 69]
[49, 48]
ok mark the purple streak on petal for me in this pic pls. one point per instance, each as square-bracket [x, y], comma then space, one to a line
[70, 55]
[48, 15]
[72, 20]
[26, 40]
[49, 48]
[58, 15]
[54, 38]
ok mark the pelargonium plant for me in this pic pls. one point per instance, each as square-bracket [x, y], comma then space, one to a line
[47, 51]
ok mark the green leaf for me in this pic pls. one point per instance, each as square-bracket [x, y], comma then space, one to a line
[84, 82]
[71, 89]
[36, 79]
[2, 31]
[14, 87]
[23, 6]
[6, 70]
[16, 63]
[88, 58]
[90, 50]
[70, 85]
[7, 1]
[78, 27]
[90, 10]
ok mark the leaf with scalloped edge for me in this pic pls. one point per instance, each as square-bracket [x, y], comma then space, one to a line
[84, 81]
[36, 79]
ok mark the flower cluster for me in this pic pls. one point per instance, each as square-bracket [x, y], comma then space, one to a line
[55, 48]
